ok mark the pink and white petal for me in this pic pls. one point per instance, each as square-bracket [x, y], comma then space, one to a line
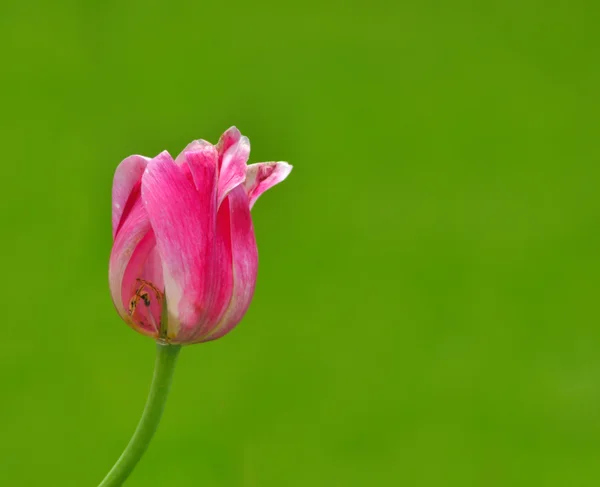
[262, 176]
[244, 263]
[192, 146]
[183, 220]
[233, 167]
[221, 272]
[222, 269]
[229, 138]
[126, 187]
[129, 262]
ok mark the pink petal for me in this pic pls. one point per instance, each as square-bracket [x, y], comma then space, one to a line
[229, 138]
[233, 167]
[202, 163]
[244, 265]
[183, 220]
[134, 276]
[126, 187]
[264, 175]
[149, 286]
[221, 277]
[194, 145]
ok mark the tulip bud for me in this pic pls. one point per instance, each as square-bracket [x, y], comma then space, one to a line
[184, 258]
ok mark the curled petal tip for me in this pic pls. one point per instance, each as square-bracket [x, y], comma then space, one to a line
[263, 176]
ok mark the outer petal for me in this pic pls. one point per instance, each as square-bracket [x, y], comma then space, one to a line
[130, 267]
[183, 220]
[262, 176]
[126, 184]
[244, 263]
[233, 167]
[221, 272]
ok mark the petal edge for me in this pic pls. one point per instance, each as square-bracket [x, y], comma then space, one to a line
[125, 183]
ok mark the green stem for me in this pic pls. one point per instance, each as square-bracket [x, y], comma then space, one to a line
[166, 358]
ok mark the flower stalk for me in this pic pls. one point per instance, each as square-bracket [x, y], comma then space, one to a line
[166, 358]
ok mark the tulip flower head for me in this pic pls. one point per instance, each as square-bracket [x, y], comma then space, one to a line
[184, 259]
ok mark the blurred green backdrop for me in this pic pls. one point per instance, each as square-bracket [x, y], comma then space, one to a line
[427, 305]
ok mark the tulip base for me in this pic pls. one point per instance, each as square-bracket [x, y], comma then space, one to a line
[166, 358]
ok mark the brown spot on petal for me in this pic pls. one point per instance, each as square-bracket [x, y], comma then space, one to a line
[141, 293]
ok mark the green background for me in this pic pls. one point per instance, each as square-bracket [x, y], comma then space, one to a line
[427, 305]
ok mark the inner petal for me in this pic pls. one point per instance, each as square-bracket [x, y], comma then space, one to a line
[143, 286]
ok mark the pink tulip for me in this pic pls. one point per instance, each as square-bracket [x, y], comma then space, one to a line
[184, 258]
